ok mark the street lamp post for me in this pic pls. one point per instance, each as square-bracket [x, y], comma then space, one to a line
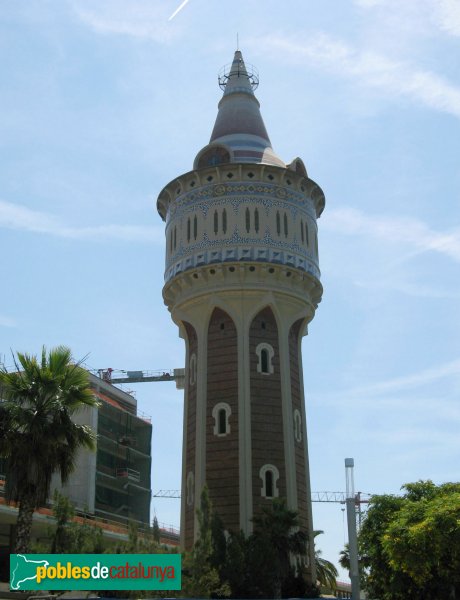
[351, 521]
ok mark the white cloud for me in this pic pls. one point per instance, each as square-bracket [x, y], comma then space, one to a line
[395, 78]
[413, 380]
[448, 13]
[418, 15]
[17, 217]
[405, 287]
[137, 18]
[409, 231]
[429, 438]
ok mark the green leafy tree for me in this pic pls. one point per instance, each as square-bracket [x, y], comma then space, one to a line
[201, 579]
[234, 569]
[39, 436]
[69, 536]
[412, 543]
[423, 540]
[156, 530]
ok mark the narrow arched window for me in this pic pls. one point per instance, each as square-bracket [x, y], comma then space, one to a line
[216, 222]
[285, 225]
[265, 354]
[256, 220]
[224, 221]
[301, 230]
[188, 229]
[269, 484]
[306, 234]
[278, 223]
[222, 421]
[269, 475]
[264, 360]
[221, 414]
[195, 227]
[248, 220]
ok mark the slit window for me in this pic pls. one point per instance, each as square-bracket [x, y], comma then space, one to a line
[264, 361]
[269, 475]
[248, 220]
[301, 231]
[188, 229]
[265, 354]
[221, 414]
[306, 234]
[269, 484]
[285, 225]
[222, 425]
[216, 222]
[278, 223]
[195, 227]
[224, 221]
[256, 220]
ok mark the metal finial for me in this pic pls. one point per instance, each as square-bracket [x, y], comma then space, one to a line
[237, 42]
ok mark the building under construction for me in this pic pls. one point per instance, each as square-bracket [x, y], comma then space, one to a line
[111, 487]
[114, 482]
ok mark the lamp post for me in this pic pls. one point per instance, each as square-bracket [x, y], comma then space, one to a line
[351, 521]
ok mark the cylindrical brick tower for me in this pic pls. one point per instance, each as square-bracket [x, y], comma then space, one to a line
[242, 283]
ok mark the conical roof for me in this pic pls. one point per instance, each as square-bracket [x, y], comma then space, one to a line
[239, 125]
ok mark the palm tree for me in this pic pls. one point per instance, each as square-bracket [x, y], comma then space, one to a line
[278, 534]
[344, 557]
[326, 573]
[39, 436]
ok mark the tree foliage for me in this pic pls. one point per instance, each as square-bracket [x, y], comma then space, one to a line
[39, 436]
[69, 536]
[226, 563]
[200, 578]
[326, 572]
[412, 543]
[277, 531]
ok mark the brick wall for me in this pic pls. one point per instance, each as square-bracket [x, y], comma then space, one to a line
[266, 409]
[222, 473]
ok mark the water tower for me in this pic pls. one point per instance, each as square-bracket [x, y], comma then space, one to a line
[242, 282]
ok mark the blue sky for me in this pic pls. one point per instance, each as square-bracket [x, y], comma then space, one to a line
[104, 102]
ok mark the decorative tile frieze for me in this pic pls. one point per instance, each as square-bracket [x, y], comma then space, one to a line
[242, 254]
[236, 193]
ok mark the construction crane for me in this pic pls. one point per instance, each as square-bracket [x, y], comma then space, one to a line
[338, 497]
[120, 376]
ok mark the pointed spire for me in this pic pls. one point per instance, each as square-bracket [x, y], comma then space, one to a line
[239, 125]
[238, 79]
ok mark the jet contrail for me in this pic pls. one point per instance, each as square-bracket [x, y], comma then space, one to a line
[178, 10]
